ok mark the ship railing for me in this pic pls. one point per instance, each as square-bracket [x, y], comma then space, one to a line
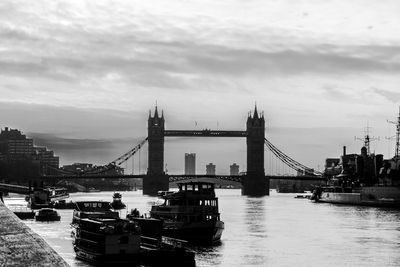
[186, 209]
[165, 241]
[178, 243]
[149, 242]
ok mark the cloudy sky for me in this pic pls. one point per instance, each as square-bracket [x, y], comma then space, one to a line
[80, 76]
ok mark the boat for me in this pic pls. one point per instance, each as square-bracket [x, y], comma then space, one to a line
[92, 190]
[362, 179]
[191, 213]
[117, 202]
[62, 204]
[47, 214]
[45, 197]
[24, 213]
[93, 209]
[108, 241]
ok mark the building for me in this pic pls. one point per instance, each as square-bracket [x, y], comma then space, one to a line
[49, 163]
[234, 169]
[78, 167]
[82, 168]
[190, 163]
[14, 144]
[19, 157]
[210, 169]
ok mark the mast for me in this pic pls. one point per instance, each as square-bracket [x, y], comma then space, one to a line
[398, 136]
[397, 148]
[367, 139]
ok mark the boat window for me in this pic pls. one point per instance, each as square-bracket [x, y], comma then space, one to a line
[123, 240]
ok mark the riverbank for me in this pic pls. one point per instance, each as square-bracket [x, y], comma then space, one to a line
[20, 246]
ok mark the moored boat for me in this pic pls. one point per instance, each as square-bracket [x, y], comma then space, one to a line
[363, 179]
[93, 209]
[106, 241]
[117, 203]
[47, 214]
[191, 213]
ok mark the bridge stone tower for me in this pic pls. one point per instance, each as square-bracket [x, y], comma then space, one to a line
[156, 180]
[255, 183]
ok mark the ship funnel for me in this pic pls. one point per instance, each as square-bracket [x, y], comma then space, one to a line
[344, 150]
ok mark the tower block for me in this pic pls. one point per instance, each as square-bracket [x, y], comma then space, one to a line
[155, 180]
[255, 183]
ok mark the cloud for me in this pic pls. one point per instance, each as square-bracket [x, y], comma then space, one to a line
[73, 122]
[391, 96]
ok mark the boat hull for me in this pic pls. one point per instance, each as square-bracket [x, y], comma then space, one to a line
[195, 232]
[147, 257]
[48, 218]
[378, 196]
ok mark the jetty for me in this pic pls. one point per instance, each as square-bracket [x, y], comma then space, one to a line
[20, 246]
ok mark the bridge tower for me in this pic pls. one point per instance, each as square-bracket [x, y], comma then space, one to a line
[255, 183]
[155, 180]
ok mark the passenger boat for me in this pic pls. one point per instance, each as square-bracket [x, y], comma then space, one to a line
[107, 241]
[191, 213]
[117, 202]
[93, 209]
[44, 197]
[47, 214]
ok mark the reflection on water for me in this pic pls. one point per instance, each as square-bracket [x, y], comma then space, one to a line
[277, 230]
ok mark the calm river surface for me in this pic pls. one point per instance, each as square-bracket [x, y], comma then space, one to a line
[277, 230]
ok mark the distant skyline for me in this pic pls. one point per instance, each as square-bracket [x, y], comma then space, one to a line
[81, 76]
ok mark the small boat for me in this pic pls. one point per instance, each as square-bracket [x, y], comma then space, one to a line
[24, 213]
[191, 213]
[47, 214]
[62, 204]
[92, 190]
[119, 241]
[117, 202]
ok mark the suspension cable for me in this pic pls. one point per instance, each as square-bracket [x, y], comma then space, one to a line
[295, 165]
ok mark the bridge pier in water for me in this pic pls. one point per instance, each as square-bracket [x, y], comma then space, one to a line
[255, 183]
[155, 180]
[154, 183]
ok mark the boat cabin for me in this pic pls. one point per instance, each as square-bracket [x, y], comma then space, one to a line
[90, 209]
[195, 201]
[108, 236]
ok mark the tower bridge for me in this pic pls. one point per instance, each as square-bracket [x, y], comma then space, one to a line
[254, 182]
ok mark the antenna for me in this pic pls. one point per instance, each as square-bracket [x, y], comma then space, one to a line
[367, 139]
[397, 148]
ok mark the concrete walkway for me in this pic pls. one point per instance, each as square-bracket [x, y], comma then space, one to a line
[20, 246]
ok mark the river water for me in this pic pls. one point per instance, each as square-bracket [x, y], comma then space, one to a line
[276, 230]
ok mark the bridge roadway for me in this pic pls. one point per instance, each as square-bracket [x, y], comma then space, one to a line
[205, 133]
[181, 177]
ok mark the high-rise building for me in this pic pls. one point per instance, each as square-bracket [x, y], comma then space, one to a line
[190, 163]
[19, 151]
[210, 169]
[234, 169]
[13, 143]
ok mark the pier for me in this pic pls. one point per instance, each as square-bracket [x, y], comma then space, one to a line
[20, 246]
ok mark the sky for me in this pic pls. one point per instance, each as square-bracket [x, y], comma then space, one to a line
[80, 76]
